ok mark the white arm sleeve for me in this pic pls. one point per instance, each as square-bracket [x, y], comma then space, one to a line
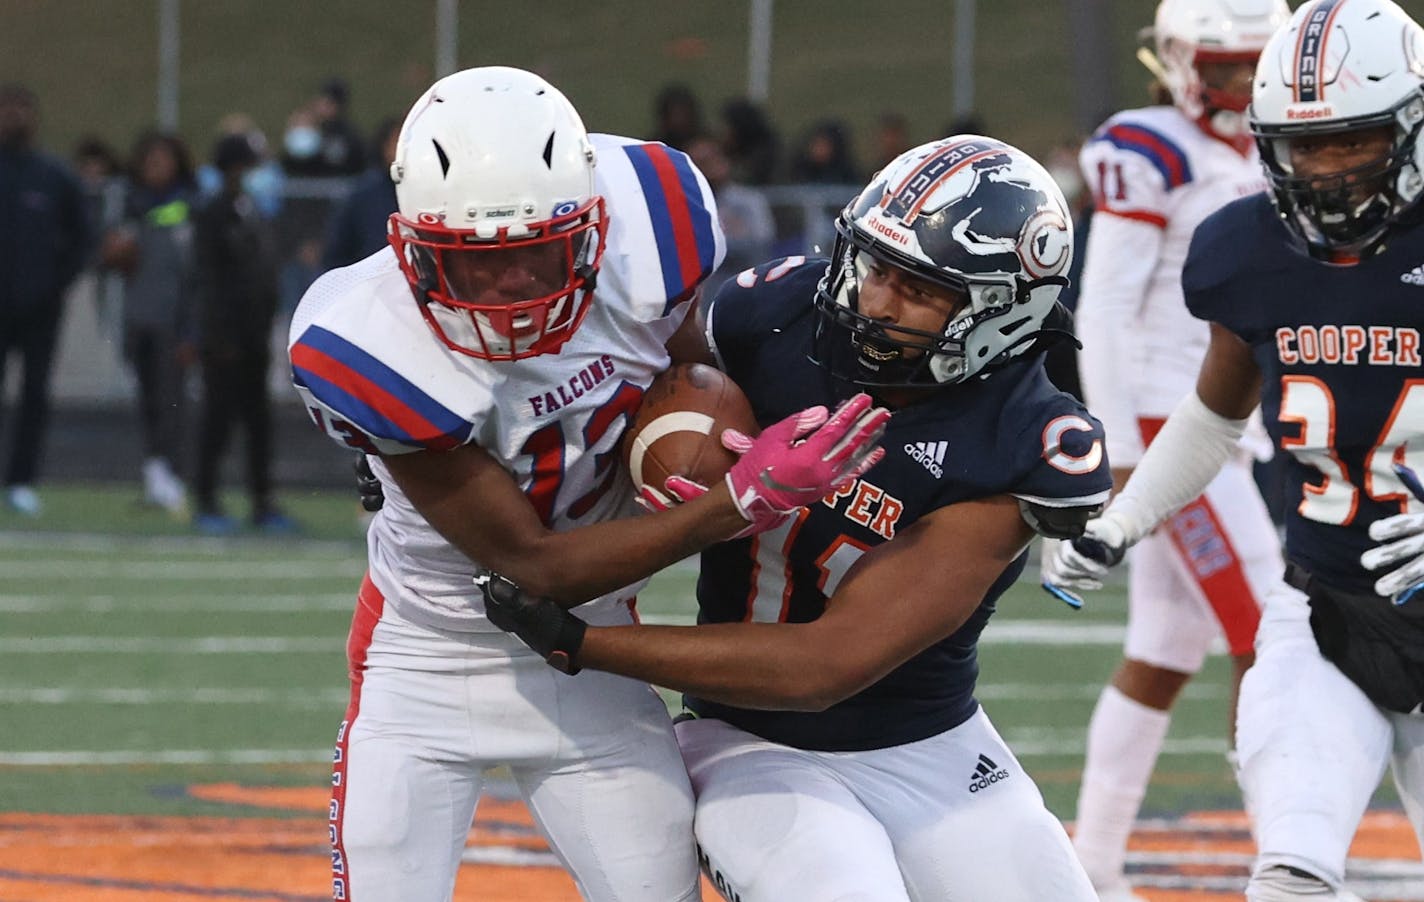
[1183, 459]
[1122, 255]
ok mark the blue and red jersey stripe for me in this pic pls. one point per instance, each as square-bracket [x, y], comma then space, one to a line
[682, 224]
[372, 396]
[1159, 150]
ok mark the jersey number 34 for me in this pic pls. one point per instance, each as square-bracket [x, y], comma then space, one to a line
[1308, 402]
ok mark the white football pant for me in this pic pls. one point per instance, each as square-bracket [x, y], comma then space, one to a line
[431, 711]
[1313, 749]
[953, 816]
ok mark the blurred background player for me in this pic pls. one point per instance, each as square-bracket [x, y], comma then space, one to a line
[837, 750]
[1155, 173]
[1314, 301]
[491, 379]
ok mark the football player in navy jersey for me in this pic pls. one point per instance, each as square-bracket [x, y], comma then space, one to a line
[1315, 300]
[835, 745]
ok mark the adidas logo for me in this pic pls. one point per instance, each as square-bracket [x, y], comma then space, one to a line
[1414, 277]
[931, 454]
[986, 773]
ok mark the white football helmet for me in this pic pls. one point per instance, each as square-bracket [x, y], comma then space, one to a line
[499, 230]
[1341, 66]
[1188, 33]
[968, 212]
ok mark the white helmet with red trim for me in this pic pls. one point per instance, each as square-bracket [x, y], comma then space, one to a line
[1188, 33]
[1343, 66]
[970, 213]
[499, 231]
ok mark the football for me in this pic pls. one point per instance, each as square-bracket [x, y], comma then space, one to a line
[678, 427]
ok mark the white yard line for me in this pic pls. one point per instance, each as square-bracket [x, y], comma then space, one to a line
[168, 756]
[153, 570]
[291, 698]
[195, 545]
[205, 603]
[202, 645]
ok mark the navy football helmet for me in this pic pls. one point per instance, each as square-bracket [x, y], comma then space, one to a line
[970, 213]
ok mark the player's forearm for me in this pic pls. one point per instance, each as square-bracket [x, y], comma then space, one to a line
[773, 666]
[573, 567]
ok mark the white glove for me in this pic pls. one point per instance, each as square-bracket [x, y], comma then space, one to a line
[1404, 538]
[1084, 562]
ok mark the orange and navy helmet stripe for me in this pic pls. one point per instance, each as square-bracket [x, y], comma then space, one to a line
[1310, 51]
[905, 200]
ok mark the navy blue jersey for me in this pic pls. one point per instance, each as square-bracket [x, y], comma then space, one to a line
[1012, 433]
[1343, 390]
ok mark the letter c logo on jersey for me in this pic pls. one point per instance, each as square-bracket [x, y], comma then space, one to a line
[1063, 430]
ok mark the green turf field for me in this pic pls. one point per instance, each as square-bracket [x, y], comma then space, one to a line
[135, 658]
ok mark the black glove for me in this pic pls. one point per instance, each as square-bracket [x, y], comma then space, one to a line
[552, 632]
[373, 497]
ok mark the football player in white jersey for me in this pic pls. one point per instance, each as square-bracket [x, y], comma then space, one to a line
[1156, 173]
[488, 362]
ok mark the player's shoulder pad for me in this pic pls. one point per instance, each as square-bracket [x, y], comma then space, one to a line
[369, 370]
[1152, 137]
[664, 237]
[1224, 246]
[762, 298]
[1062, 461]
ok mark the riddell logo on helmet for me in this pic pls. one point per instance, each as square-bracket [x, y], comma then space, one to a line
[888, 232]
[1312, 112]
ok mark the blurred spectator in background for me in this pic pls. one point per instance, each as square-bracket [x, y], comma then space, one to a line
[45, 239]
[153, 249]
[358, 227]
[743, 212]
[678, 115]
[95, 161]
[97, 165]
[890, 139]
[237, 301]
[752, 146]
[320, 140]
[264, 183]
[824, 156]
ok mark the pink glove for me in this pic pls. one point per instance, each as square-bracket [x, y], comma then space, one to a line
[801, 459]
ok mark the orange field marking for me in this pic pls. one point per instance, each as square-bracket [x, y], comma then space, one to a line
[121, 858]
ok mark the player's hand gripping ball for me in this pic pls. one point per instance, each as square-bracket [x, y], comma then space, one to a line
[677, 432]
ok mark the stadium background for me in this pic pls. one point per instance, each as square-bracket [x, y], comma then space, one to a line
[167, 703]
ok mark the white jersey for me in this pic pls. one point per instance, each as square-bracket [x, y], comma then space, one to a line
[375, 377]
[1155, 175]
